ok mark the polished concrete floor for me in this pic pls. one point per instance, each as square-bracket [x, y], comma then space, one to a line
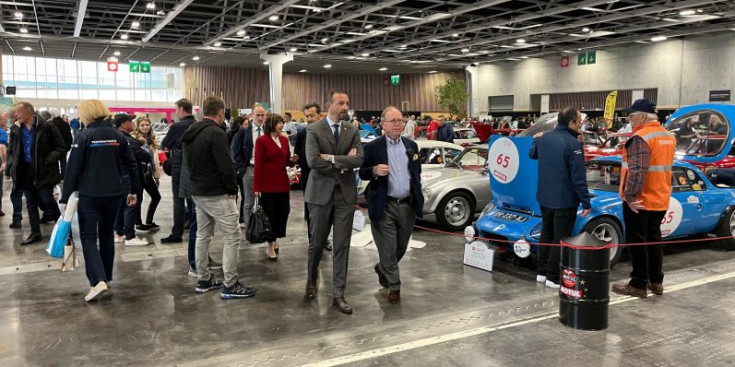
[449, 315]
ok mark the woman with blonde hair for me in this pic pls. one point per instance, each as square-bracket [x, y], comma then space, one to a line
[99, 159]
[150, 173]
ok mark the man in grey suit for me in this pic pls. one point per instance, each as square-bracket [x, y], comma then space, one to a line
[333, 150]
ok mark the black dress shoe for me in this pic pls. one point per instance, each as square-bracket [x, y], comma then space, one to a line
[311, 288]
[33, 238]
[328, 246]
[15, 224]
[2, 213]
[341, 305]
[381, 278]
[394, 297]
[170, 239]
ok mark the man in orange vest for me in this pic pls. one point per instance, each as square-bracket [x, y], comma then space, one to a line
[645, 187]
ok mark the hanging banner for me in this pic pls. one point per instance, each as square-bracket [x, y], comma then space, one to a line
[610, 108]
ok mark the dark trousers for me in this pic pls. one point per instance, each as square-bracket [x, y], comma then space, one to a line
[125, 219]
[556, 224]
[16, 198]
[179, 209]
[192, 233]
[96, 220]
[647, 261]
[62, 165]
[276, 206]
[149, 185]
[36, 197]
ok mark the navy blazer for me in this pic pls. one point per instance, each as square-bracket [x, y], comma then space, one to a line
[241, 149]
[376, 152]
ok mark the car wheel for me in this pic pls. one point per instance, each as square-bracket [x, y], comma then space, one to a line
[607, 230]
[727, 229]
[456, 211]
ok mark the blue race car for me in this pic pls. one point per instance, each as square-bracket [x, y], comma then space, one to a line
[697, 207]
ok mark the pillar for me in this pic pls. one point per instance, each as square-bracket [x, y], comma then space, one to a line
[275, 73]
[473, 89]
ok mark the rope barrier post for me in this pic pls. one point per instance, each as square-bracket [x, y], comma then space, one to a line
[584, 285]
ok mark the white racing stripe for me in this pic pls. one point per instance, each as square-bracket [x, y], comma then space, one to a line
[375, 353]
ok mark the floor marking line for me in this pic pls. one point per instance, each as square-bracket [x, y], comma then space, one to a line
[488, 329]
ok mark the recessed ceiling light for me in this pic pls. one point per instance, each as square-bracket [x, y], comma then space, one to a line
[265, 63]
[217, 44]
[465, 49]
[124, 36]
[182, 64]
[302, 71]
[524, 57]
[161, 13]
[18, 15]
[658, 39]
[136, 24]
[455, 35]
[475, 63]
[150, 5]
[116, 53]
[520, 40]
[368, 26]
[240, 33]
[432, 72]
[364, 54]
[273, 18]
[24, 30]
[687, 12]
[585, 29]
[27, 48]
[567, 51]
[293, 49]
[404, 46]
[325, 40]
[327, 66]
[195, 58]
[383, 69]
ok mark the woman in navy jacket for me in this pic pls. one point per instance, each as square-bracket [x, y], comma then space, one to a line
[99, 157]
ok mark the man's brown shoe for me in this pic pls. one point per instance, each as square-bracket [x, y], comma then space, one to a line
[394, 297]
[381, 278]
[628, 290]
[312, 285]
[656, 288]
[341, 305]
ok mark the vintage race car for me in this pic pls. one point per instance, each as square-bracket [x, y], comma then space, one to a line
[697, 207]
[465, 137]
[454, 193]
[705, 135]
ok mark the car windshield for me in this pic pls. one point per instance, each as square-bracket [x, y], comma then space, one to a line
[603, 175]
[544, 124]
[475, 156]
[464, 134]
[700, 133]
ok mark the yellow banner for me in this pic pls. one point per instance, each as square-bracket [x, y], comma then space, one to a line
[610, 108]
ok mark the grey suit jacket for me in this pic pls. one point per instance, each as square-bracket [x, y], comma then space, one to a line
[320, 140]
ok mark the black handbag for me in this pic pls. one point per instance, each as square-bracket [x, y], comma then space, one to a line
[259, 227]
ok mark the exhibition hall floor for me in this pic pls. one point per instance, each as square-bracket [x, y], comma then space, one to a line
[449, 314]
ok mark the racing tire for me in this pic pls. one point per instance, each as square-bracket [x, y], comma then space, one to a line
[727, 229]
[456, 211]
[607, 229]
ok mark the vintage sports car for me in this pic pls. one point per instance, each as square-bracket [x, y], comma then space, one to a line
[704, 135]
[454, 193]
[697, 206]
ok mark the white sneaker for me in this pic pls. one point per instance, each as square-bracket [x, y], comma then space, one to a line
[541, 278]
[192, 273]
[136, 241]
[119, 239]
[550, 284]
[96, 291]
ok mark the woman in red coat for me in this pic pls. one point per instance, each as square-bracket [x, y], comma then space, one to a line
[270, 181]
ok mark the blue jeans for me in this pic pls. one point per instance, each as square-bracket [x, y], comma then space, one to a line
[96, 221]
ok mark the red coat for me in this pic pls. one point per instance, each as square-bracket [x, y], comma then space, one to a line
[270, 165]
[432, 130]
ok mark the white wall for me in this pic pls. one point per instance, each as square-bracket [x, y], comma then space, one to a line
[684, 71]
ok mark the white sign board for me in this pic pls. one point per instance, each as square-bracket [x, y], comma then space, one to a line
[544, 103]
[478, 255]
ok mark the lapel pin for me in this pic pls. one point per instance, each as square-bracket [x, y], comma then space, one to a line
[415, 157]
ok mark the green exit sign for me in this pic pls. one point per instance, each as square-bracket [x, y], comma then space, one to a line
[145, 67]
[140, 66]
[395, 79]
[134, 67]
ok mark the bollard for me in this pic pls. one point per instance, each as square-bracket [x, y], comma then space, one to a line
[584, 283]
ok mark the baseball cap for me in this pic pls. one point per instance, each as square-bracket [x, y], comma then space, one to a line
[121, 119]
[642, 105]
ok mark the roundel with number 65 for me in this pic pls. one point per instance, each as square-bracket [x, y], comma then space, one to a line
[672, 219]
[503, 160]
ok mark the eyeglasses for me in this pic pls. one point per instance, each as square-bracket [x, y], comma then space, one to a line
[394, 121]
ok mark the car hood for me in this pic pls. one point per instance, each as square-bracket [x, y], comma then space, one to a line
[433, 175]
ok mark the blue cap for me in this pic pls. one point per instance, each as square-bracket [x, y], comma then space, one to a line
[642, 105]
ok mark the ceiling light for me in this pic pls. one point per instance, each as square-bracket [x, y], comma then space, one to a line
[161, 13]
[325, 40]
[273, 18]
[116, 53]
[136, 24]
[687, 12]
[432, 72]
[302, 71]
[368, 26]
[24, 30]
[195, 58]
[383, 69]
[240, 33]
[567, 51]
[524, 57]
[455, 35]
[465, 49]
[217, 44]
[585, 29]
[327, 66]
[124, 36]
[182, 64]
[404, 46]
[475, 63]
[364, 54]
[658, 39]
[293, 49]
[27, 48]
[150, 5]
[18, 15]
[520, 40]
[266, 63]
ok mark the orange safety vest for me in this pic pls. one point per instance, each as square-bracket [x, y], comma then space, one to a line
[657, 185]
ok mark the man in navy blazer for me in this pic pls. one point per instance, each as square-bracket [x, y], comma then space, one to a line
[394, 196]
[242, 150]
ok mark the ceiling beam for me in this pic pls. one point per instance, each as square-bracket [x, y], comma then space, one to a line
[169, 17]
[272, 10]
[80, 17]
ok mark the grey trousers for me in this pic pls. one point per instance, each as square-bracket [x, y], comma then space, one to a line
[320, 227]
[223, 211]
[249, 198]
[391, 236]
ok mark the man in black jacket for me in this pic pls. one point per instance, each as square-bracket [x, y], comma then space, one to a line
[172, 143]
[127, 215]
[35, 167]
[65, 131]
[213, 186]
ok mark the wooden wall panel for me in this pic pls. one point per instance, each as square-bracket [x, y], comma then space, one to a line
[240, 88]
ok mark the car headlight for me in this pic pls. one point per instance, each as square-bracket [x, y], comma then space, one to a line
[487, 208]
[427, 194]
[536, 231]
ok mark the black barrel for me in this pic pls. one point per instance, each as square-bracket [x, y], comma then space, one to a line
[584, 283]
